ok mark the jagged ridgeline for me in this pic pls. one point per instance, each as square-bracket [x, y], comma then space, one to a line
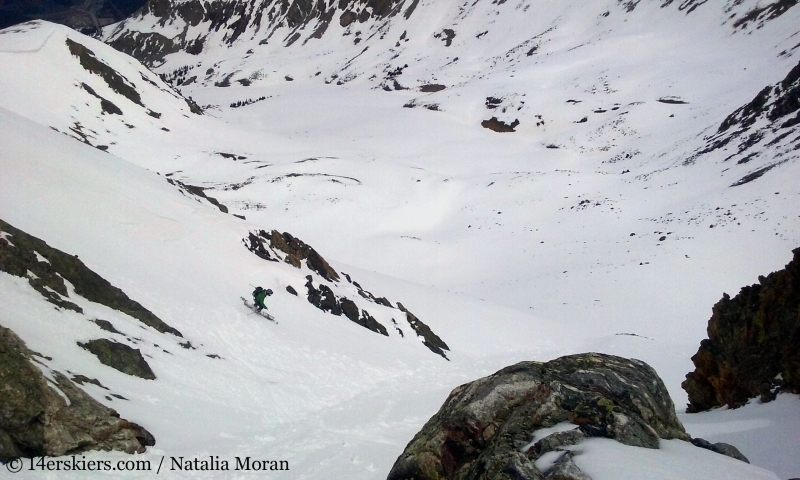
[47, 268]
[764, 133]
[275, 246]
[235, 18]
[287, 22]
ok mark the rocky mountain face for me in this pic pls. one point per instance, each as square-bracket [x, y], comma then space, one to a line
[402, 45]
[285, 23]
[485, 428]
[51, 416]
[753, 344]
[765, 131]
[234, 18]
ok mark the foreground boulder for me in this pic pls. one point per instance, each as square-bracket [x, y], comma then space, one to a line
[485, 428]
[753, 344]
[36, 421]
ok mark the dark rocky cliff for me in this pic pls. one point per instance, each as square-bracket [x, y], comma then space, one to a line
[753, 344]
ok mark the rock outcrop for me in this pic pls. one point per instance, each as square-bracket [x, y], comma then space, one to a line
[120, 357]
[499, 126]
[327, 301]
[275, 246]
[485, 428]
[46, 268]
[36, 421]
[295, 252]
[771, 119]
[118, 82]
[720, 447]
[753, 344]
[198, 192]
[429, 339]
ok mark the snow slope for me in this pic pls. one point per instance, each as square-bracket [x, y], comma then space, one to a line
[326, 398]
[557, 200]
[184, 260]
[508, 247]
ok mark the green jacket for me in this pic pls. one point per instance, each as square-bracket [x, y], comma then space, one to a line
[259, 297]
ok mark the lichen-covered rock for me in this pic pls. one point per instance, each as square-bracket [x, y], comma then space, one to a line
[36, 421]
[753, 344]
[565, 469]
[484, 428]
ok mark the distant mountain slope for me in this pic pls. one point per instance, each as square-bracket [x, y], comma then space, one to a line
[766, 131]
[164, 27]
[508, 66]
[86, 16]
[77, 88]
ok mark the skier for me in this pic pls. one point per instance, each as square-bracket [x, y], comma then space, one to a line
[259, 294]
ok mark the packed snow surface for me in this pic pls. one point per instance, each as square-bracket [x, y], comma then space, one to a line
[559, 238]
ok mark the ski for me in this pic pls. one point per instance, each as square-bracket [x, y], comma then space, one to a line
[262, 313]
